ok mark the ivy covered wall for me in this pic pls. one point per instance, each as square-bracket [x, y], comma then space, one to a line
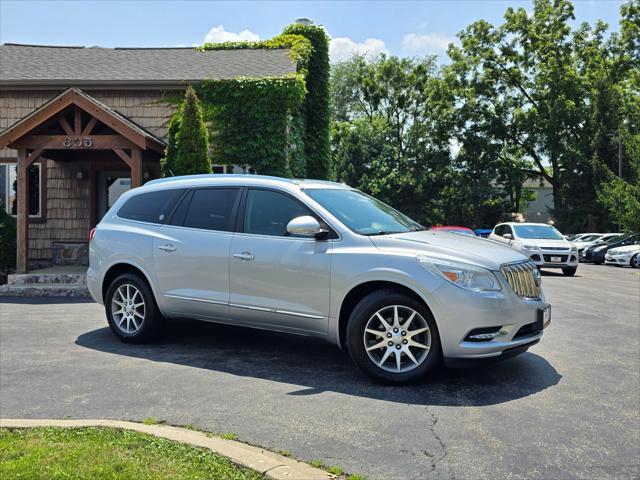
[278, 125]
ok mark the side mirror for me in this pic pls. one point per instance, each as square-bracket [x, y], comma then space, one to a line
[508, 236]
[305, 226]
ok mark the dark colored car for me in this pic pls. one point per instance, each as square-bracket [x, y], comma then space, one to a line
[595, 253]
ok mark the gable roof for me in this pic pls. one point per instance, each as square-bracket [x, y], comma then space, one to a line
[32, 65]
[102, 112]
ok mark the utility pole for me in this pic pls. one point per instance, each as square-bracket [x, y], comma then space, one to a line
[619, 156]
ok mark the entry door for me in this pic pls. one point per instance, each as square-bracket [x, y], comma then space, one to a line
[110, 185]
[277, 280]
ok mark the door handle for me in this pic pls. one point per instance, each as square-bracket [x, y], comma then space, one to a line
[167, 248]
[246, 256]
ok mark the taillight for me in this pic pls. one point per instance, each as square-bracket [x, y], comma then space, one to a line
[92, 234]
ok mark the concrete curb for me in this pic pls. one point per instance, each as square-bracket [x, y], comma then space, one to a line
[268, 463]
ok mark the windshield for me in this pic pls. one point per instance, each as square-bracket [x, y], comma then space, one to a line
[544, 232]
[607, 238]
[589, 238]
[361, 213]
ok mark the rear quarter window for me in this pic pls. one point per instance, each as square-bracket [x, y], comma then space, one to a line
[152, 207]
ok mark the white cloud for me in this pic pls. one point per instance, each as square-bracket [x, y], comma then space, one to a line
[219, 35]
[342, 48]
[426, 42]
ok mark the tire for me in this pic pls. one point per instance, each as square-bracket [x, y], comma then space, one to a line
[142, 321]
[569, 271]
[364, 316]
[635, 261]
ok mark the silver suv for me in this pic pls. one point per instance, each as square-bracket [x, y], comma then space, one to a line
[314, 258]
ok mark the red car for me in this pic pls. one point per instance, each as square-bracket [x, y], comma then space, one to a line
[455, 229]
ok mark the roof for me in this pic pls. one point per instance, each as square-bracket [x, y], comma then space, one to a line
[102, 112]
[31, 65]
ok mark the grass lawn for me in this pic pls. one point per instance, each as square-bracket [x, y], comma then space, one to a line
[74, 453]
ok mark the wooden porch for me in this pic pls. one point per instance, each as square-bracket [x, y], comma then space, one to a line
[74, 127]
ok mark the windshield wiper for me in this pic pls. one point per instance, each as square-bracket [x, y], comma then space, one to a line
[381, 232]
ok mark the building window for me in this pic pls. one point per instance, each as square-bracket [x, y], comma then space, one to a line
[8, 185]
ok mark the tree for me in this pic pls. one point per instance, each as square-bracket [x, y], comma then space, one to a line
[191, 139]
[168, 162]
[548, 96]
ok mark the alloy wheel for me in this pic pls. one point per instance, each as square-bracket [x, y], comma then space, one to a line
[397, 338]
[128, 308]
[636, 260]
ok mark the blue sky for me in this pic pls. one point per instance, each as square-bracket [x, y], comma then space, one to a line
[396, 27]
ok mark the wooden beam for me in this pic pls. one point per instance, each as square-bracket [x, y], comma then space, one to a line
[77, 121]
[123, 155]
[87, 130]
[65, 125]
[33, 156]
[136, 168]
[22, 250]
[72, 142]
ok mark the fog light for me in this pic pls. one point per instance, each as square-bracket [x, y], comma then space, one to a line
[484, 334]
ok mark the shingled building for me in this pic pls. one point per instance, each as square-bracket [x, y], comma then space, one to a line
[79, 126]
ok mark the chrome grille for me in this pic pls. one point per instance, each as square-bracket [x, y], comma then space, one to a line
[523, 278]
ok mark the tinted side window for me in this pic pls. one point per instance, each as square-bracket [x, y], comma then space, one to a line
[211, 209]
[151, 207]
[268, 212]
[499, 230]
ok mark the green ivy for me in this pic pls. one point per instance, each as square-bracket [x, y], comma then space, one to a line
[278, 125]
[315, 108]
[253, 122]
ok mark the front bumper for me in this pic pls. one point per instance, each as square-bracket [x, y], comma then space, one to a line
[459, 313]
[552, 258]
[592, 257]
[620, 259]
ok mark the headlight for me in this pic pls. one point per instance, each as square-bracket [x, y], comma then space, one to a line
[469, 277]
[530, 247]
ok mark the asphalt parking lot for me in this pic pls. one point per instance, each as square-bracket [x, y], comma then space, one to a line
[568, 408]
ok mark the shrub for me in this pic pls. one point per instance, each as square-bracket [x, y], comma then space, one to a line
[191, 139]
[7, 240]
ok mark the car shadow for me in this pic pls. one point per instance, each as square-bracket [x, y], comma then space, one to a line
[318, 366]
[44, 300]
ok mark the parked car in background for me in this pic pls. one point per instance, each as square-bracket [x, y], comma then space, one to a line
[577, 236]
[589, 240]
[454, 229]
[313, 258]
[483, 232]
[542, 243]
[596, 253]
[629, 255]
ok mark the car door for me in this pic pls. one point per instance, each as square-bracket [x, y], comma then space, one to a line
[497, 233]
[191, 254]
[278, 280]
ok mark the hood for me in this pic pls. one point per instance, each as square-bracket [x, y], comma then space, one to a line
[453, 246]
[625, 249]
[545, 243]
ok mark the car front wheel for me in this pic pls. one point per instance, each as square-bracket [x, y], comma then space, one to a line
[393, 337]
[569, 271]
[635, 261]
[131, 309]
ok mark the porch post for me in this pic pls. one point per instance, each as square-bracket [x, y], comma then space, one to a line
[22, 250]
[136, 168]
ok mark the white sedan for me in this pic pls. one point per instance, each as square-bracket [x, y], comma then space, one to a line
[627, 255]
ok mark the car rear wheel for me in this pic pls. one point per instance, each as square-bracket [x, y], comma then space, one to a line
[635, 261]
[393, 337]
[131, 309]
[569, 271]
